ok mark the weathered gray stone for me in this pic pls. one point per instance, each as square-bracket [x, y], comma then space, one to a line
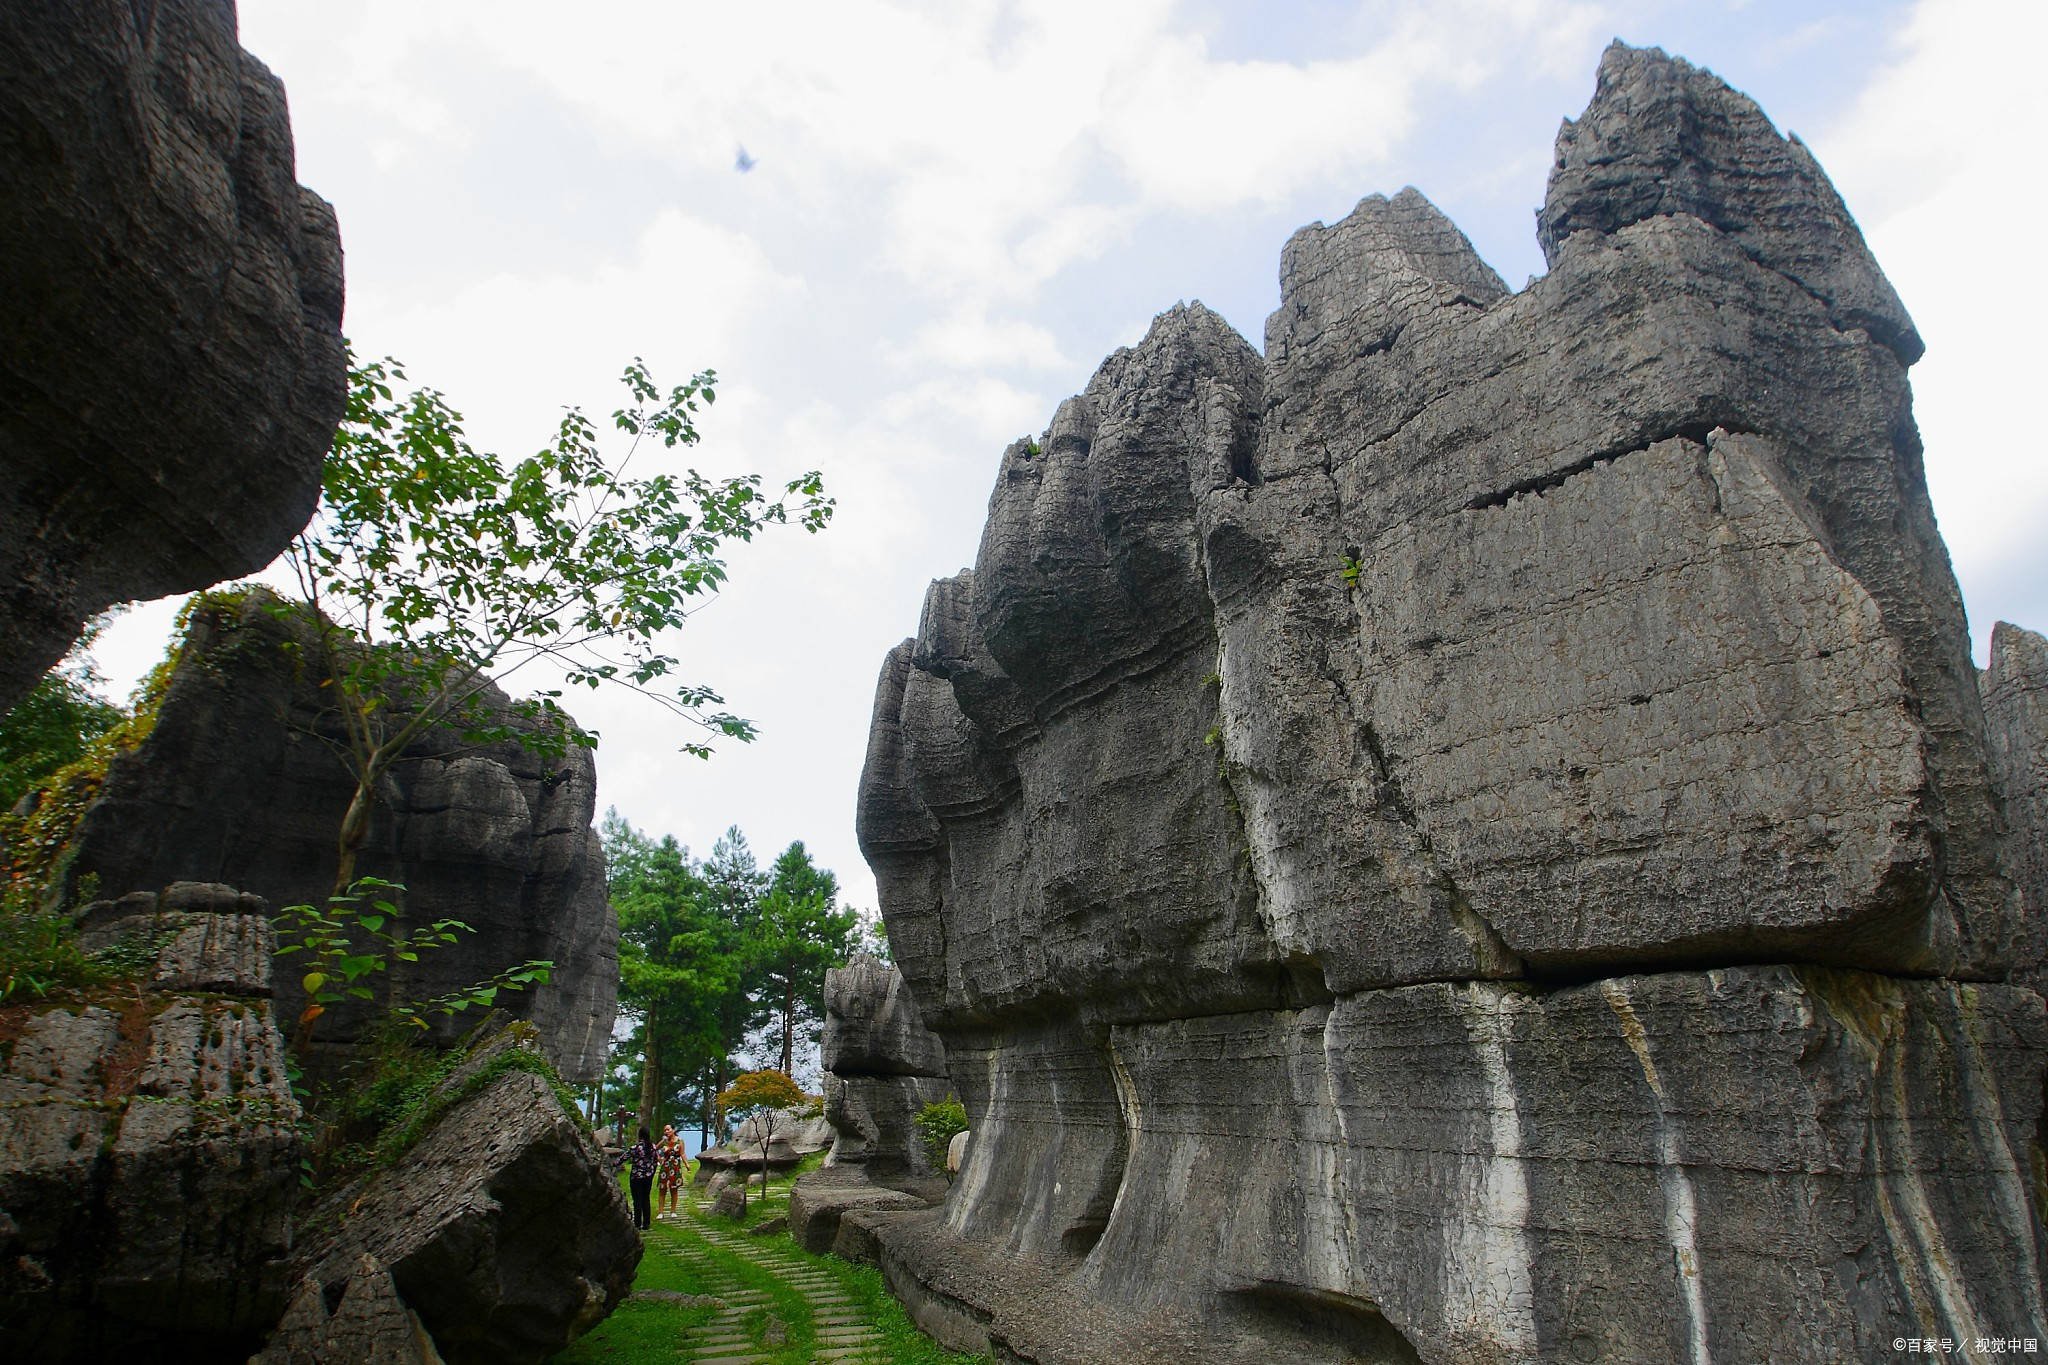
[1471, 837]
[872, 1026]
[2015, 690]
[170, 301]
[237, 784]
[730, 1202]
[882, 1065]
[370, 1326]
[150, 1156]
[501, 1226]
[799, 1133]
[821, 1198]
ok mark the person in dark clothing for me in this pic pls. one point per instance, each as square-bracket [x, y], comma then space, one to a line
[644, 1160]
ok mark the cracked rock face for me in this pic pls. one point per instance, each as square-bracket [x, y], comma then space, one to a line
[237, 783]
[150, 1148]
[1471, 836]
[882, 1066]
[171, 364]
[2015, 691]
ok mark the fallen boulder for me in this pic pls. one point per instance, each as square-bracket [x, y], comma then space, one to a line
[820, 1200]
[500, 1224]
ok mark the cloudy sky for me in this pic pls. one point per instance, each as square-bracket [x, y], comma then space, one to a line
[958, 208]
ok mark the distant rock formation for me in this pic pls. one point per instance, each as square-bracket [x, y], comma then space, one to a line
[882, 1066]
[236, 783]
[171, 365]
[150, 1148]
[1471, 836]
[791, 1137]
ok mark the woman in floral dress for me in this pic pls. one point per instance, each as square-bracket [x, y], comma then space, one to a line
[669, 1169]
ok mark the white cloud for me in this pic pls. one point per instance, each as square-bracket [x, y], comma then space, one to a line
[1927, 156]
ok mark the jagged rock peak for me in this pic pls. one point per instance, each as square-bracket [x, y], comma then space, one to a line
[1665, 137]
[1373, 271]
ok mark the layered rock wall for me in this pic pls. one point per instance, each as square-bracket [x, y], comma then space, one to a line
[171, 364]
[238, 781]
[1471, 836]
[2015, 690]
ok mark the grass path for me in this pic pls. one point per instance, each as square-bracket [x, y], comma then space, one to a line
[711, 1292]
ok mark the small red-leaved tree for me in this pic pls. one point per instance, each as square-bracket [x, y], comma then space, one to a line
[761, 1096]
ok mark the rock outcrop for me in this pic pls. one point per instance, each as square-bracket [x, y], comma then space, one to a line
[2015, 690]
[171, 364]
[149, 1146]
[1471, 836]
[238, 782]
[500, 1226]
[882, 1065]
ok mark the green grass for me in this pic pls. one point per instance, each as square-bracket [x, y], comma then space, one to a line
[644, 1331]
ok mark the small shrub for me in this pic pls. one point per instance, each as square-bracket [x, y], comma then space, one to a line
[39, 951]
[936, 1125]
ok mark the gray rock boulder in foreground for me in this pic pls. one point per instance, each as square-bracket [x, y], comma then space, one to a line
[150, 1146]
[1473, 836]
[501, 1226]
[171, 365]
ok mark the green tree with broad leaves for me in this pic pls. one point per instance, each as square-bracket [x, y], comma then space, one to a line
[762, 1096]
[433, 569]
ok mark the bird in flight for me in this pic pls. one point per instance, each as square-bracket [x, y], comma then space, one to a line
[742, 162]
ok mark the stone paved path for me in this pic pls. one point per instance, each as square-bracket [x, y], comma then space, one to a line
[841, 1335]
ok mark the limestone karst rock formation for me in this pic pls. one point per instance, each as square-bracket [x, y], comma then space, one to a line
[1470, 837]
[882, 1065]
[171, 365]
[150, 1148]
[236, 783]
